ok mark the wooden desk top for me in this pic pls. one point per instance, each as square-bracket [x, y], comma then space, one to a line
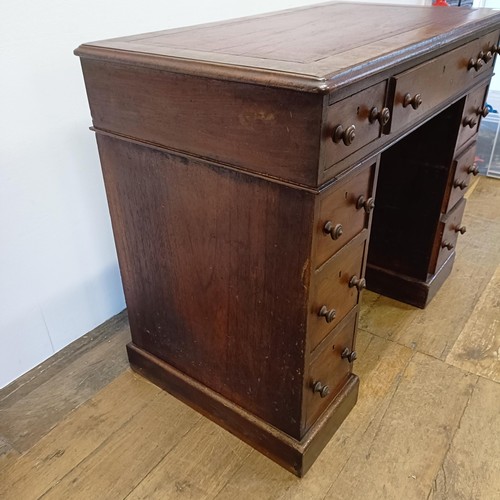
[316, 48]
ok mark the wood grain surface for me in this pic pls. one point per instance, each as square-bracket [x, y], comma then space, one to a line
[309, 48]
[421, 428]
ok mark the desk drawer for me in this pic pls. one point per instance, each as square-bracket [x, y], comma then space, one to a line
[463, 169]
[450, 228]
[330, 368]
[420, 89]
[344, 211]
[335, 289]
[474, 110]
[354, 122]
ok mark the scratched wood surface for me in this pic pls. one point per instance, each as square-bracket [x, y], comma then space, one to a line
[425, 426]
[309, 44]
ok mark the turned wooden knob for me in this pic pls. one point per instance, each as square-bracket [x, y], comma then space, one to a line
[348, 135]
[461, 229]
[447, 245]
[494, 49]
[460, 184]
[469, 121]
[322, 389]
[359, 283]
[473, 169]
[383, 116]
[414, 101]
[484, 112]
[487, 57]
[349, 355]
[329, 315]
[368, 204]
[335, 231]
[476, 64]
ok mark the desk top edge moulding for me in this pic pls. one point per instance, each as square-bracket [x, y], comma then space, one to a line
[260, 173]
[391, 35]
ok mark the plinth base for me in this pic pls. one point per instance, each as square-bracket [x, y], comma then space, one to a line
[405, 288]
[295, 456]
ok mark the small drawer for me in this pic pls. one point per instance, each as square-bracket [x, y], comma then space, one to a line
[449, 229]
[344, 211]
[335, 289]
[354, 122]
[474, 110]
[421, 89]
[488, 46]
[463, 168]
[330, 368]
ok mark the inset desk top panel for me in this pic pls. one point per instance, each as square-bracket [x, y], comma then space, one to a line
[312, 48]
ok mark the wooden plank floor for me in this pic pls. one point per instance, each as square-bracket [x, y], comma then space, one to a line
[427, 423]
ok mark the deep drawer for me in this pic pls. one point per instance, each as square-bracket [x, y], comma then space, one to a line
[354, 122]
[473, 112]
[330, 368]
[421, 89]
[450, 228]
[344, 211]
[462, 170]
[335, 289]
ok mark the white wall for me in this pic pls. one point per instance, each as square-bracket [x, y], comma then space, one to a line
[58, 272]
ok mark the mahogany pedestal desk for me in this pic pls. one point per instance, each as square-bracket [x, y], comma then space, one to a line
[249, 163]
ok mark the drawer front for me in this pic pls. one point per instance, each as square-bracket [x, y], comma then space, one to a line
[354, 122]
[344, 212]
[463, 169]
[472, 114]
[451, 228]
[336, 289]
[420, 89]
[330, 368]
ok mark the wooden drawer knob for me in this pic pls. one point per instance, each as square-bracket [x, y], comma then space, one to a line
[334, 230]
[447, 245]
[473, 169]
[368, 204]
[329, 315]
[487, 57]
[322, 389]
[461, 229]
[484, 112]
[383, 116]
[349, 355]
[348, 135]
[469, 121]
[476, 64]
[414, 101]
[460, 184]
[494, 49]
[359, 283]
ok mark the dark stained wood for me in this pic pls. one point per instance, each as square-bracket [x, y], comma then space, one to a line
[329, 368]
[437, 79]
[275, 444]
[231, 154]
[339, 206]
[255, 128]
[354, 111]
[475, 101]
[321, 56]
[413, 179]
[460, 177]
[448, 233]
[406, 289]
[200, 292]
[330, 288]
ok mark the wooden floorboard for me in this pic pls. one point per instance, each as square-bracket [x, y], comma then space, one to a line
[33, 409]
[82, 425]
